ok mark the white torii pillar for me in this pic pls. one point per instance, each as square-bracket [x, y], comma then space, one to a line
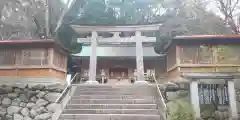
[93, 60]
[194, 97]
[139, 59]
[232, 100]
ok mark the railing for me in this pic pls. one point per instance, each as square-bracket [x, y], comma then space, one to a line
[213, 93]
[162, 105]
[63, 99]
[66, 89]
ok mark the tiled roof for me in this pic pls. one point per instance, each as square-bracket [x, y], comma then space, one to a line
[197, 37]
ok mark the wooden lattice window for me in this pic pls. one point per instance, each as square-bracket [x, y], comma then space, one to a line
[197, 54]
[38, 57]
[228, 54]
[7, 57]
[188, 54]
[205, 55]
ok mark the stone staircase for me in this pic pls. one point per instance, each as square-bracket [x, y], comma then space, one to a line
[112, 102]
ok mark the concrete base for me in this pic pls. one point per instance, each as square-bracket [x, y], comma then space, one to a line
[91, 82]
[142, 82]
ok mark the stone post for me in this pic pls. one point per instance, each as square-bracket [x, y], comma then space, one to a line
[139, 59]
[233, 114]
[93, 60]
[195, 98]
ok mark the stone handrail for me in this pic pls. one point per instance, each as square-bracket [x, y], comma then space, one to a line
[64, 98]
[65, 90]
[163, 105]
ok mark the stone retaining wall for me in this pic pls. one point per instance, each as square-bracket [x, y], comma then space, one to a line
[26, 102]
[210, 113]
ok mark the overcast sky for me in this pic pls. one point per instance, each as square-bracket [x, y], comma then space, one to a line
[213, 7]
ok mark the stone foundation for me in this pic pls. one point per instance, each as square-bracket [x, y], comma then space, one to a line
[25, 102]
[210, 113]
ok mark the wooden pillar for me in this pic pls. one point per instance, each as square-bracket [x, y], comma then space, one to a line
[51, 57]
[178, 53]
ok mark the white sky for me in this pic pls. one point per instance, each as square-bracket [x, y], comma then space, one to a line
[213, 7]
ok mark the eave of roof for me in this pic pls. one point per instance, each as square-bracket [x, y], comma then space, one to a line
[32, 43]
[25, 41]
[203, 38]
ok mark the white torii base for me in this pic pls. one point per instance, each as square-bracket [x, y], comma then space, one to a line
[142, 82]
[91, 82]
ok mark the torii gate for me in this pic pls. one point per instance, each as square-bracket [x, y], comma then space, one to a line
[138, 39]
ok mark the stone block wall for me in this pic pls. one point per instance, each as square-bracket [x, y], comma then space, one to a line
[29, 102]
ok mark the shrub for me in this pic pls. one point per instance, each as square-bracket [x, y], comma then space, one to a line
[180, 109]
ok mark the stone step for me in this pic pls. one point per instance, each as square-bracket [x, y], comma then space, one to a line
[111, 106]
[102, 86]
[112, 93]
[112, 101]
[109, 117]
[115, 89]
[113, 97]
[110, 89]
[111, 111]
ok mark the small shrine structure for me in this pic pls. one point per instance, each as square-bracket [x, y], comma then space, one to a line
[210, 65]
[32, 61]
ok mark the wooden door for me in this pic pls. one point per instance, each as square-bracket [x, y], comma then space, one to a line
[118, 72]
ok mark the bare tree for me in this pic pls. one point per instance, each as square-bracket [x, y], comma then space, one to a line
[192, 17]
[26, 19]
[229, 10]
[19, 18]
